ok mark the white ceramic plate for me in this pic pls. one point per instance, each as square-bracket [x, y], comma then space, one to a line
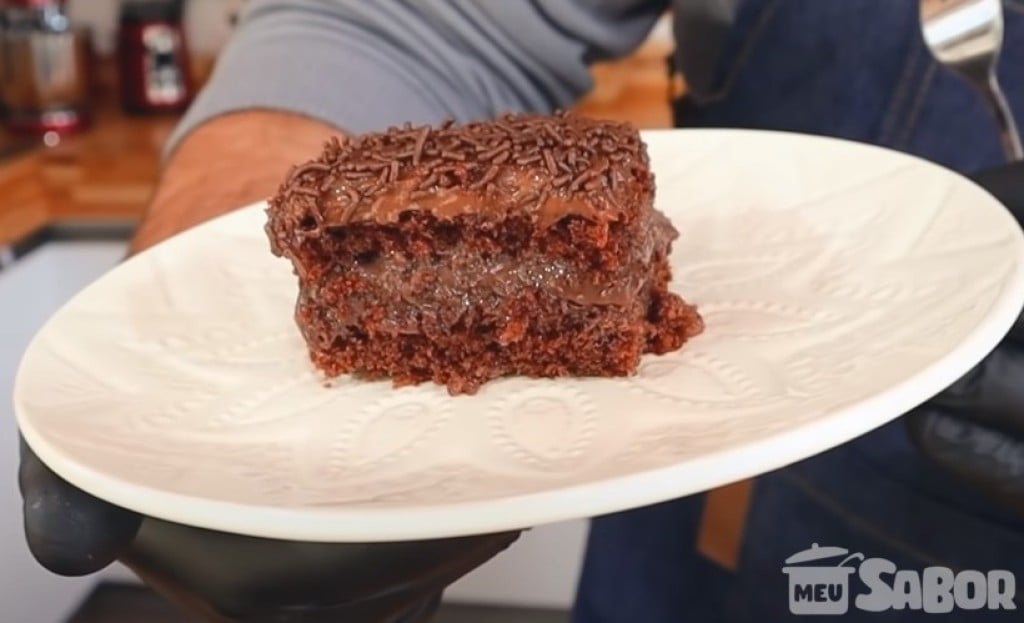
[841, 284]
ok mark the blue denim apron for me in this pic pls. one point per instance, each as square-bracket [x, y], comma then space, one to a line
[855, 69]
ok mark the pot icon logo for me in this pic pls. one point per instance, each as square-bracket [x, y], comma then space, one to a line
[822, 587]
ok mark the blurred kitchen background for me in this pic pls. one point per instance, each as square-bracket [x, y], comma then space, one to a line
[90, 91]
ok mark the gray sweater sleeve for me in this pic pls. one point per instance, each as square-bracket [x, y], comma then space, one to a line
[362, 65]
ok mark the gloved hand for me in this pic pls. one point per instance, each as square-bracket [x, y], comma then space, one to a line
[975, 428]
[226, 577]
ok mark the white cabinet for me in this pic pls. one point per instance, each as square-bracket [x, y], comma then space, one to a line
[540, 570]
[30, 291]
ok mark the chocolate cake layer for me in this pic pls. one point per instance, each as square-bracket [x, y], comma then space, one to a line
[527, 246]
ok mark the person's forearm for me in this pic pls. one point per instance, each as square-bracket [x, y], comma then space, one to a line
[227, 163]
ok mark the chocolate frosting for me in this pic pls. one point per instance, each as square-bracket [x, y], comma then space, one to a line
[546, 167]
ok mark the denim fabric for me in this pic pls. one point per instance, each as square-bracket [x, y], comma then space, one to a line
[855, 69]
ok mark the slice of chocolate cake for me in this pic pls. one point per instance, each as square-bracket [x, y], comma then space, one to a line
[527, 245]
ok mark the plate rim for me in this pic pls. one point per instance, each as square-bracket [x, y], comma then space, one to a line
[356, 523]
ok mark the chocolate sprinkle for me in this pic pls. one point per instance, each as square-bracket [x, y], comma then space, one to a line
[487, 177]
[549, 160]
[492, 153]
[502, 157]
[565, 154]
[307, 167]
[350, 209]
[421, 140]
[543, 198]
[550, 130]
[581, 179]
[453, 155]
[429, 181]
[329, 181]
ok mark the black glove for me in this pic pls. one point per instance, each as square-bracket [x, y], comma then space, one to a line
[975, 428]
[69, 531]
[225, 577]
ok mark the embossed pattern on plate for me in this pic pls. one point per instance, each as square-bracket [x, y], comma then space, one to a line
[841, 284]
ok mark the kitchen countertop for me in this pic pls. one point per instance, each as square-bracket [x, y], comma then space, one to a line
[105, 174]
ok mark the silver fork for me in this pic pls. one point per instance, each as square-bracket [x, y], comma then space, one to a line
[966, 36]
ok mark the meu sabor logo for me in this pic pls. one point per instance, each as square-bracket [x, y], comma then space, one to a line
[819, 583]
